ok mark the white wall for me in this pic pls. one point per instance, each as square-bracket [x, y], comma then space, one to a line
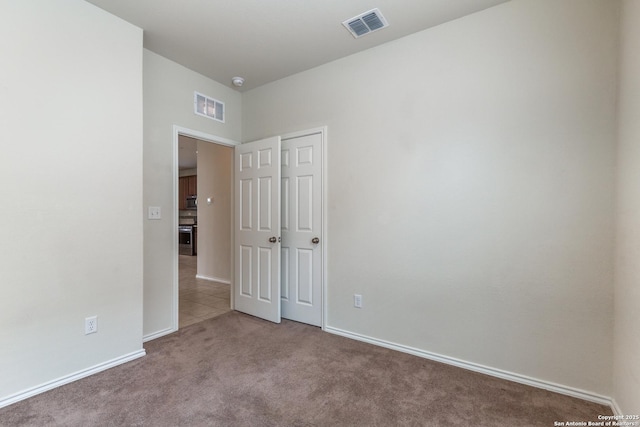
[626, 379]
[215, 172]
[71, 173]
[471, 177]
[168, 101]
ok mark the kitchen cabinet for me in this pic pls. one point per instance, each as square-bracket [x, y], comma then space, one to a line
[192, 185]
[187, 186]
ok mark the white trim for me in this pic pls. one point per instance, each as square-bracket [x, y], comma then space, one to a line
[291, 135]
[232, 234]
[499, 373]
[324, 197]
[175, 173]
[615, 408]
[325, 227]
[30, 392]
[213, 279]
[177, 131]
[158, 334]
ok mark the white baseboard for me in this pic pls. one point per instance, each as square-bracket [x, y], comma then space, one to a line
[510, 376]
[158, 334]
[6, 401]
[213, 279]
[615, 408]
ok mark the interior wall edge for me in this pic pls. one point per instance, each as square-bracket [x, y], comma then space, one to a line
[158, 334]
[615, 408]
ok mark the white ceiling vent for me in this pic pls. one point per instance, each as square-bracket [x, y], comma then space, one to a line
[365, 23]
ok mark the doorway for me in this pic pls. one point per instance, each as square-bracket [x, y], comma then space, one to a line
[203, 178]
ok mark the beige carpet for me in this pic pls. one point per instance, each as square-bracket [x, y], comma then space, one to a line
[236, 370]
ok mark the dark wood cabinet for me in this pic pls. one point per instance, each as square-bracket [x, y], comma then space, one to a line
[192, 185]
[187, 186]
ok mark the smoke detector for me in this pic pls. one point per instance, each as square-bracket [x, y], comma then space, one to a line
[366, 23]
[237, 81]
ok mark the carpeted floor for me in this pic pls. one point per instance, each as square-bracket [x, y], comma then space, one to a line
[236, 370]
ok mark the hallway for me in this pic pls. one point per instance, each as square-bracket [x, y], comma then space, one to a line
[199, 299]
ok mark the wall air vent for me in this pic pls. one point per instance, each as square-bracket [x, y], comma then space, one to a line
[365, 23]
[208, 107]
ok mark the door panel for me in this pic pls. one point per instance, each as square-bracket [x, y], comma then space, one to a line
[305, 276]
[284, 275]
[305, 213]
[264, 274]
[245, 270]
[265, 184]
[257, 228]
[245, 204]
[302, 221]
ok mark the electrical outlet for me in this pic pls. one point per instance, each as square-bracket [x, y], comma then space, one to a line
[91, 325]
[357, 301]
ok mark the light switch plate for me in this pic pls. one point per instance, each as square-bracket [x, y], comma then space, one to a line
[155, 212]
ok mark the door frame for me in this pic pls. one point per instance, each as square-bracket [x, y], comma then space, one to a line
[206, 137]
[323, 200]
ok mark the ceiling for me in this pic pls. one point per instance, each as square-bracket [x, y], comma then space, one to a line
[187, 152]
[263, 41]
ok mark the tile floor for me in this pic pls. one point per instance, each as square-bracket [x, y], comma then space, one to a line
[199, 299]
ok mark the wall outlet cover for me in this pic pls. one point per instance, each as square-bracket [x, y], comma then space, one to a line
[357, 301]
[91, 325]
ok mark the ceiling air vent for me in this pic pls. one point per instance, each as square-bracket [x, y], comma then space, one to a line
[365, 23]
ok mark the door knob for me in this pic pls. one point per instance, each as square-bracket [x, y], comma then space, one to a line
[273, 239]
[315, 240]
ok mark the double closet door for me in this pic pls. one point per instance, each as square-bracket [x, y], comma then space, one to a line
[278, 228]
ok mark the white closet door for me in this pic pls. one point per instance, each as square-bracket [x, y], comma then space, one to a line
[301, 188]
[257, 228]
